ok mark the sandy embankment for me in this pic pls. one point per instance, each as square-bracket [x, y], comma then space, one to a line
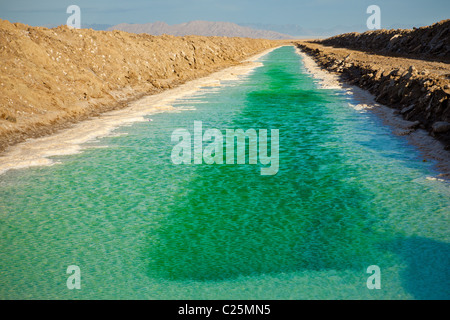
[37, 151]
[342, 68]
[52, 78]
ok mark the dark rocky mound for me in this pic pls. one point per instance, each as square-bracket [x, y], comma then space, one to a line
[430, 42]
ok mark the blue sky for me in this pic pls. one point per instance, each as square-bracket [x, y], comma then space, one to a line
[306, 13]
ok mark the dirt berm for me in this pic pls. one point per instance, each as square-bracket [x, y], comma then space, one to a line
[430, 42]
[51, 78]
[418, 89]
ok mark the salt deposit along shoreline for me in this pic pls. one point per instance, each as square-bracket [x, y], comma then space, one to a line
[431, 148]
[37, 151]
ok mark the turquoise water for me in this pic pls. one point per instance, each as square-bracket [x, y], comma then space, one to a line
[348, 195]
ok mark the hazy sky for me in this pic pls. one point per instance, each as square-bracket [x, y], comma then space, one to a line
[306, 13]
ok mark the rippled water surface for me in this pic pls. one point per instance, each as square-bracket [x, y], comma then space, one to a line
[348, 195]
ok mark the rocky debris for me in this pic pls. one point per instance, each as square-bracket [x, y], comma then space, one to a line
[420, 97]
[53, 77]
[407, 109]
[430, 42]
[441, 126]
[406, 127]
[414, 125]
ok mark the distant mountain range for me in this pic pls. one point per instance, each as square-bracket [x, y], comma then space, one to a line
[201, 28]
[297, 31]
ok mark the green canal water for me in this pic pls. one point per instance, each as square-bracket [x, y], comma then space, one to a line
[348, 194]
